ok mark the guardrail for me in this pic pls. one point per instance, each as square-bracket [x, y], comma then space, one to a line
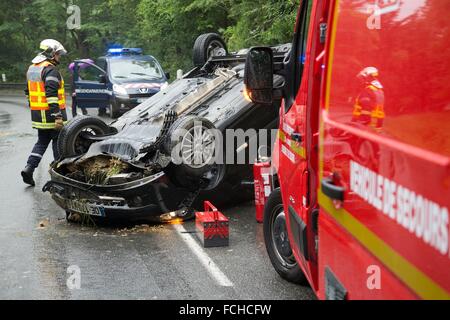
[20, 86]
[6, 85]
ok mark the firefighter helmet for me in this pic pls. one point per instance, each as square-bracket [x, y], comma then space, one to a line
[50, 47]
[368, 74]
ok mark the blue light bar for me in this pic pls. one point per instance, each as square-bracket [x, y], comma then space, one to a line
[123, 51]
[115, 50]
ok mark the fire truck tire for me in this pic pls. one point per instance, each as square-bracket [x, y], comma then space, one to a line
[70, 140]
[277, 241]
[206, 46]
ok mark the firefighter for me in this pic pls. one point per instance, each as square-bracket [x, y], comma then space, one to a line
[46, 98]
[369, 105]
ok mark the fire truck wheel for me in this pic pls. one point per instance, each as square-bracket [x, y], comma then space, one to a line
[70, 140]
[206, 46]
[277, 241]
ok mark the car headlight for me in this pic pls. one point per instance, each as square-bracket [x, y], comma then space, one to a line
[164, 85]
[118, 89]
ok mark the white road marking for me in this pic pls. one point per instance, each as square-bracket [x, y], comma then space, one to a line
[205, 260]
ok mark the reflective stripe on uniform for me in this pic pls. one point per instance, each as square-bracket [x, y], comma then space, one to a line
[52, 100]
[37, 94]
[39, 125]
[43, 116]
[50, 78]
[39, 103]
[378, 112]
[36, 155]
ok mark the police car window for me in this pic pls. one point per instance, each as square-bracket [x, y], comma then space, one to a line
[88, 73]
[101, 63]
[135, 69]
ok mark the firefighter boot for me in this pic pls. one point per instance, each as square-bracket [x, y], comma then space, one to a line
[27, 175]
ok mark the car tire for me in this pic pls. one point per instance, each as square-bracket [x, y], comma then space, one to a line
[206, 46]
[114, 110]
[71, 144]
[277, 241]
[181, 136]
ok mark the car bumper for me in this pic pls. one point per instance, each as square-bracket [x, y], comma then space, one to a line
[130, 102]
[146, 198]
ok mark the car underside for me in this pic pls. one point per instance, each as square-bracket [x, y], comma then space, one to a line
[126, 170]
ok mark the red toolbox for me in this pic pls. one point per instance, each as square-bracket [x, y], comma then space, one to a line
[212, 227]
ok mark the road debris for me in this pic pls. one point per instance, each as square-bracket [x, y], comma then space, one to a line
[143, 228]
[44, 223]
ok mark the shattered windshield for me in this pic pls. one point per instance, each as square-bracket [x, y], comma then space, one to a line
[131, 69]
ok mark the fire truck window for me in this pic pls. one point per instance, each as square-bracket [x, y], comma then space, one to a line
[297, 57]
[301, 46]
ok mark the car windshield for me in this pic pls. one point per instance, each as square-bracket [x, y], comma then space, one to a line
[130, 69]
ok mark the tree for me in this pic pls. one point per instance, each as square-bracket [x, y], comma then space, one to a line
[166, 29]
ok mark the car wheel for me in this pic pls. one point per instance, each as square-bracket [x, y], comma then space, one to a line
[114, 110]
[191, 143]
[277, 240]
[206, 46]
[71, 142]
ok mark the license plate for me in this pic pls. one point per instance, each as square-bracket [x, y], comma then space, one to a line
[85, 208]
[142, 100]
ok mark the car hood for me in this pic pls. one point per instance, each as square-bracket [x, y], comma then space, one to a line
[142, 87]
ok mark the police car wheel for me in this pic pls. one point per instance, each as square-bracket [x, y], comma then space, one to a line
[114, 110]
[206, 46]
[277, 241]
[74, 110]
[71, 142]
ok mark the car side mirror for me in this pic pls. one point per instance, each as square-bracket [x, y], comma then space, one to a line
[167, 75]
[102, 78]
[258, 77]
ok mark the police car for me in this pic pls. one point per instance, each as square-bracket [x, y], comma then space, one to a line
[122, 79]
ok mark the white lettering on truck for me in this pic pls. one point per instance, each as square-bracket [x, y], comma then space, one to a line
[422, 217]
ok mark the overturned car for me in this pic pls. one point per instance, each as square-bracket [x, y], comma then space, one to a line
[159, 160]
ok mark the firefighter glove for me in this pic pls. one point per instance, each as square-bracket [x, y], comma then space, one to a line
[59, 124]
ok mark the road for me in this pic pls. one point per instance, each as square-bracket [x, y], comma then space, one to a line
[37, 245]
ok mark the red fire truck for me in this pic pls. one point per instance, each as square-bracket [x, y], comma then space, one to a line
[362, 158]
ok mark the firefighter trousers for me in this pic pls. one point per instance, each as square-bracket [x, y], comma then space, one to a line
[44, 139]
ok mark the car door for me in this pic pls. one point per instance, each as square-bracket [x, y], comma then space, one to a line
[90, 84]
[293, 166]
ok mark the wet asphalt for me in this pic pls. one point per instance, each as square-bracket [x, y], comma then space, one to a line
[37, 245]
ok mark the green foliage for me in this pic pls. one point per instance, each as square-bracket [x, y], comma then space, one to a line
[166, 29]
